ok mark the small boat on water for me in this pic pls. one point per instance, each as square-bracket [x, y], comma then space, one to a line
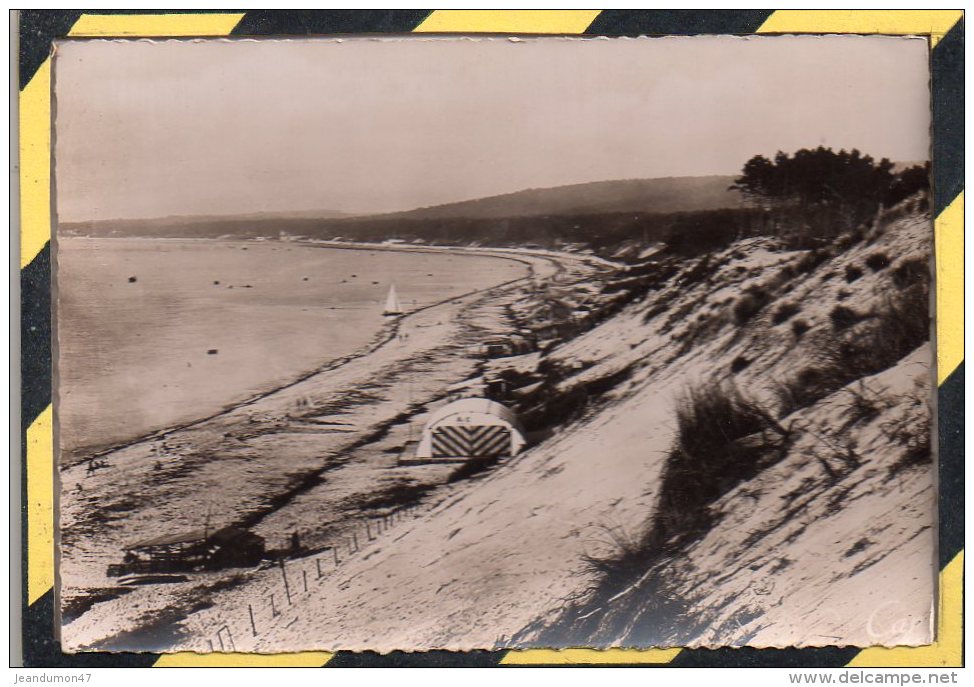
[393, 306]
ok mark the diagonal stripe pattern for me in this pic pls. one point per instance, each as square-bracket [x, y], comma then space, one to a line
[508, 21]
[471, 441]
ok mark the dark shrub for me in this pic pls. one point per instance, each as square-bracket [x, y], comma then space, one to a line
[786, 274]
[784, 312]
[722, 439]
[799, 327]
[852, 273]
[750, 304]
[843, 317]
[877, 262]
[811, 260]
[898, 327]
[907, 183]
[701, 270]
[863, 405]
[811, 384]
[850, 238]
[902, 324]
[912, 432]
[911, 271]
[739, 363]
[843, 294]
[780, 279]
[701, 329]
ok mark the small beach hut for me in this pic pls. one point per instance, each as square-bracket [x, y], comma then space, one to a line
[504, 346]
[471, 428]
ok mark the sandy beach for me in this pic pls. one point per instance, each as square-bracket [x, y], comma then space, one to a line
[159, 332]
[304, 458]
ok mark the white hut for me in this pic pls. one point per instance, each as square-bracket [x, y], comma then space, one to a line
[471, 428]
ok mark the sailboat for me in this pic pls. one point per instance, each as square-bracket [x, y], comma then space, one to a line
[393, 307]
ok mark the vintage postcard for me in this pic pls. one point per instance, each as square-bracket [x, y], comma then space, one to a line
[485, 343]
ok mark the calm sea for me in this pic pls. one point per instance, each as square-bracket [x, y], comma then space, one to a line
[137, 319]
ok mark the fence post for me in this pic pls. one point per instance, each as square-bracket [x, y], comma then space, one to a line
[274, 611]
[253, 625]
[318, 566]
[304, 574]
[287, 587]
[219, 635]
[368, 531]
[355, 540]
[334, 550]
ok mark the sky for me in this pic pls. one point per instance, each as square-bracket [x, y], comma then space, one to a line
[149, 129]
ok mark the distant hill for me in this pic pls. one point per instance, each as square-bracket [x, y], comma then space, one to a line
[644, 196]
[664, 195]
[203, 226]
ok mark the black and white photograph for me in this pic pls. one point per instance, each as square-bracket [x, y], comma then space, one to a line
[458, 343]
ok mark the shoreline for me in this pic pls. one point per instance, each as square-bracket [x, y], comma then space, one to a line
[262, 462]
[385, 334]
[397, 387]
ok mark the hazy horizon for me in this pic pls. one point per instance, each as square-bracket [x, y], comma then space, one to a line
[328, 213]
[156, 129]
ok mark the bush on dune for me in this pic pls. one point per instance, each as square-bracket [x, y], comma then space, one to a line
[911, 271]
[852, 273]
[812, 259]
[893, 330]
[750, 304]
[843, 317]
[811, 384]
[723, 438]
[785, 312]
[799, 327]
[877, 261]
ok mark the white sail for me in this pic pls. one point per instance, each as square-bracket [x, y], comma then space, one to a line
[393, 306]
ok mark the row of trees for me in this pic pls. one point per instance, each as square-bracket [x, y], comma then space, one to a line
[821, 193]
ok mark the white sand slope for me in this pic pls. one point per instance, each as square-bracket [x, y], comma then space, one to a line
[488, 558]
[797, 557]
[813, 550]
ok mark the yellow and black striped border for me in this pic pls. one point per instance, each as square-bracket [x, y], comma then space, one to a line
[37, 30]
